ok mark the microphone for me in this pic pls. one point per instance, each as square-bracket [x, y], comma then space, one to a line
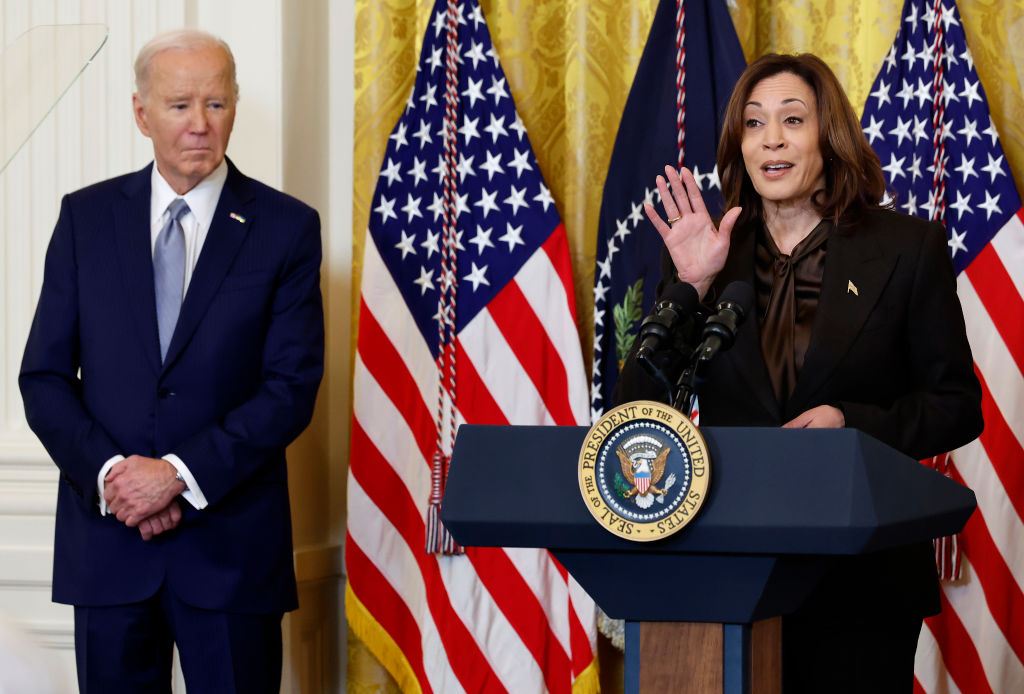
[720, 329]
[679, 302]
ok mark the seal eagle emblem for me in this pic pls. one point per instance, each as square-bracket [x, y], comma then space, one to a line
[644, 470]
[642, 458]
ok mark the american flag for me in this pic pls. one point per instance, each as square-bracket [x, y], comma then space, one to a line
[466, 263]
[928, 119]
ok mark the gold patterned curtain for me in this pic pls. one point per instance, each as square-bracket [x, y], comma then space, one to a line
[569, 65]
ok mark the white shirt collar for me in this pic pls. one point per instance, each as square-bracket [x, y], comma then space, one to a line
[202, 199]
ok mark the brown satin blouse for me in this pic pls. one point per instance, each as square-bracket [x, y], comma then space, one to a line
[788, 288]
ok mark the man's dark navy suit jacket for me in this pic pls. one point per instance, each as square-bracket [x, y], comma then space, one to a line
[237, 386]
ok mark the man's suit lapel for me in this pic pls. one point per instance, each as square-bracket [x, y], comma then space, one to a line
[745, 356]
[227, 232]
[856, 272]
[135, 257]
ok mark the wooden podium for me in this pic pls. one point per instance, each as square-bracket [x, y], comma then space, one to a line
[707, 614]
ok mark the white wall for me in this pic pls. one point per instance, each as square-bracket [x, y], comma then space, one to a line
[293, 131]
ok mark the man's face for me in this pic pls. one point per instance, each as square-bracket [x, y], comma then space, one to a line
[187, 112]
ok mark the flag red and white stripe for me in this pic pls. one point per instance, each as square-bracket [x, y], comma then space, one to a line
[491, 620]
[496, 619]
[929, 121]
[977, 643]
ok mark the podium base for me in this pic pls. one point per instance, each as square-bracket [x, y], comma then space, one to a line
[703, 658]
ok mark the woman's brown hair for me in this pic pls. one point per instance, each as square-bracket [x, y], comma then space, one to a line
[853, 175]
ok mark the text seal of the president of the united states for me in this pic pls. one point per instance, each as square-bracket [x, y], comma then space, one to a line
[644, 470]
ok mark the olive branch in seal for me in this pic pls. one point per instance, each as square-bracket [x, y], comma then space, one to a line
[627, 314]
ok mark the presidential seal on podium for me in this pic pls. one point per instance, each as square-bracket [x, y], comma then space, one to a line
[644, 470]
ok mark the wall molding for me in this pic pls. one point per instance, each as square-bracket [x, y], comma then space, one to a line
[31, 566]
[28, 481]
[20, 448]
[26, 567]
[58, 634]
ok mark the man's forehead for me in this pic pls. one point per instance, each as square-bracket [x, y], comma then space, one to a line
[178, 69]
[208, 60]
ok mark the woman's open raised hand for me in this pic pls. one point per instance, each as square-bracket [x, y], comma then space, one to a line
[698, 249]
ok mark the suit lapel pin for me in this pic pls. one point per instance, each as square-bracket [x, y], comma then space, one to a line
[237, 217]
[851, 288]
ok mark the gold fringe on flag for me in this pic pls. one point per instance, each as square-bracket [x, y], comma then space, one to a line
[376, 639]
[588, 681]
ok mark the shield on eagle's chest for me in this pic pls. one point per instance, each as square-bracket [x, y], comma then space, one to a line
[642, 480]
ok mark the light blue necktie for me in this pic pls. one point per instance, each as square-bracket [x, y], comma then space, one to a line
[169, 272]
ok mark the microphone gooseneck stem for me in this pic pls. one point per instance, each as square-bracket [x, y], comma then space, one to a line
[684, 390]
[718, 335]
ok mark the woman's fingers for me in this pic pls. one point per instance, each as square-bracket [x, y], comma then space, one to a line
[659, 224]
[729, 221]
[692, 192]
[667, 200]
[680, 195]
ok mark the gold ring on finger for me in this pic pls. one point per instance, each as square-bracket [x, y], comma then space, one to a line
[675, 219]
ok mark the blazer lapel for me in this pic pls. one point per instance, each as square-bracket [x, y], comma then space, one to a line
[135, 256]
[745, 356]
[228, 230]
[856, 272]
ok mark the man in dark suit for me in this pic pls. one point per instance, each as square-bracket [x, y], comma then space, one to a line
[176, 351]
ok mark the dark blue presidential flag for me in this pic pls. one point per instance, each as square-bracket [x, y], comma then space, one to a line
[673, 116]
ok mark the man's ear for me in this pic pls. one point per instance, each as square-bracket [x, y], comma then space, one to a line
[139, 109]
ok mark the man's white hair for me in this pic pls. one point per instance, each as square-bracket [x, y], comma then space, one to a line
[179, 40]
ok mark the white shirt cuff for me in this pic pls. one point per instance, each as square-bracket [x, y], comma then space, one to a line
[192, 494]
[100, 480]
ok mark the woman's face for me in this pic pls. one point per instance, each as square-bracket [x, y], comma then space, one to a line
[780, 140]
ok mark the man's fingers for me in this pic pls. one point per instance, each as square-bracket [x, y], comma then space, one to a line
[115, 470]
[145, 529]
[159, 522]
[132, 516]
[154, 523]
[153, 526]
[113, 491]
[143, 487]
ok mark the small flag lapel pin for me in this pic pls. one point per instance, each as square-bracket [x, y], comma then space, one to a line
[851, 288]
[239, 218]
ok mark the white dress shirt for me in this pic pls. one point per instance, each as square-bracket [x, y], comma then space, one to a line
[202, 203]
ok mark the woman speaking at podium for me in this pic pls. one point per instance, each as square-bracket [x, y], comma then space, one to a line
[855, 322]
